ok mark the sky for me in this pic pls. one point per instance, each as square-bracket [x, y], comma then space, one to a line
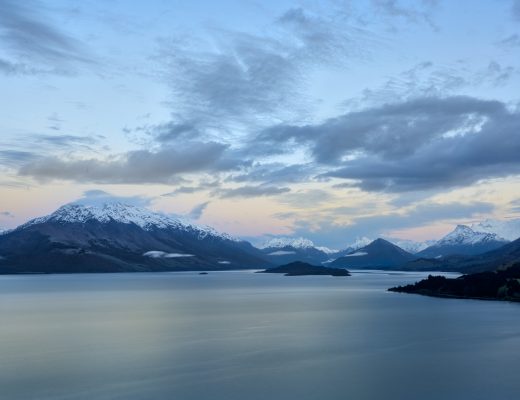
[330, 120]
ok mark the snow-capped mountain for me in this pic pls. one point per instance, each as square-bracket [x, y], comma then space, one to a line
[463, 240]
[117, 237]
[280, 242]
[507, 229]
[125, 214]
[284, 250]
[463, 234]
[411, 246]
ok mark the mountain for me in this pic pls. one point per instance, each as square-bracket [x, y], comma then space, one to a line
[500, 258]
[408, 245]
[285, 250]
[379, 254]
[508, 229]
[114, 237]
[463, 240]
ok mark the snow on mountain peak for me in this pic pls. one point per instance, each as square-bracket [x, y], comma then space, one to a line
[411, 246]
[126, 214]
[359, 243]
[463, 234]
[281, 242]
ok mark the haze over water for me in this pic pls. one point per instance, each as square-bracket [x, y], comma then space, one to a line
[239, 335]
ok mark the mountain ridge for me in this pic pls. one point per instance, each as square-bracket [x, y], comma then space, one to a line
[119, 238]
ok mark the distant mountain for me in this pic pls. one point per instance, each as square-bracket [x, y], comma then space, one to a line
[500, 258]
[463, 240]
[285, 250]
[507, 229]
[408, 245]
[411, 246]
[116, 237]
[378, 254]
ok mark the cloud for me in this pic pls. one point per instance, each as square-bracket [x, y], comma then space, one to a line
[25, 149]
[197, 211]
[498, 74]
[510, 41]
[34, 45]
[139, 166]
[394, 9]
[14, 158]
[310, 198]
[251, 191]
[171, 131]
[97, 197]
[236, 79]
[7, 214]
[62, 140]
[422, 143]
[163, 254]
[270, 173]
[514, 206]
[203, 185]
[516, 9]
[429, 79]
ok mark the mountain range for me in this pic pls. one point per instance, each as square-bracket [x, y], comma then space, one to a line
[500, 258]
[115, 237]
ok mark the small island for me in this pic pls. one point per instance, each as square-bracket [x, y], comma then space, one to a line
[493, 285]
[299, 268]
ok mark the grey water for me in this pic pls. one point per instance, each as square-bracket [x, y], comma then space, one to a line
[240, 335]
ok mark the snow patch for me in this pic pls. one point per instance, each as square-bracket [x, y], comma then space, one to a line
[224, 262]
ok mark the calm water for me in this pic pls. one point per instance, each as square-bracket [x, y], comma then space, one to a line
[245, 336]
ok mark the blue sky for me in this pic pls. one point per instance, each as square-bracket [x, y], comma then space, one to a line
[330, 120]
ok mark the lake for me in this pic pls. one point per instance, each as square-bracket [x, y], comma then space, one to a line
[246, 336]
